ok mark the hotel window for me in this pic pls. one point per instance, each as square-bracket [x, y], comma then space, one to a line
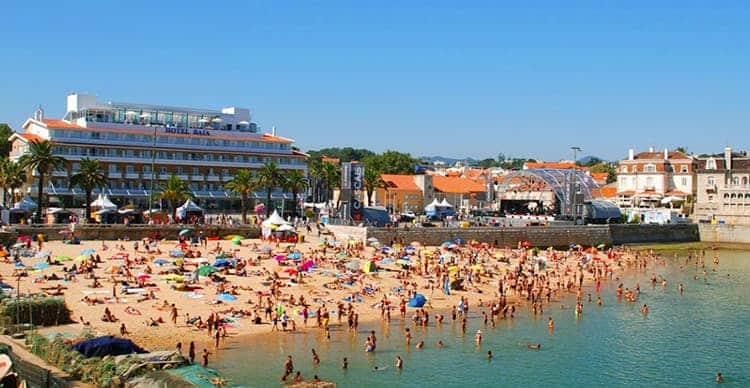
[196, 171]
[711, 181]
[684, 181]
[146, 170]
[649, 168]
[225, 172]
[95, 135]
[180, 171]
[163, 170]
[649, 183]
[129, 169]
[112, 168]
[129, 153]
[711, 164]
[76, 167]
[683, 169]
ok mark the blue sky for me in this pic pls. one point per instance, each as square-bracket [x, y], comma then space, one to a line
[450, 78]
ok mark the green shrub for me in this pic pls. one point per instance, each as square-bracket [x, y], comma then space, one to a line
[39, 311]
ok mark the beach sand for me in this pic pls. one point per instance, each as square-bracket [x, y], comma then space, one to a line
[166, 335]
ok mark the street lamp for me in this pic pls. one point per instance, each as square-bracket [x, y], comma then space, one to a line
[575, 150]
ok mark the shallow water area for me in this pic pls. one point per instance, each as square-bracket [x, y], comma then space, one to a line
[683, 341]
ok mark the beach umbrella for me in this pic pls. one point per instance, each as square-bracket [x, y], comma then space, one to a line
[225, 297]
[294, 256]
[372, 240]
[206, 270]
[41, 265]
[20, 264]
[279, 257]
[18, 245]
[23, 238]
[112, 270]
[63, 258]
[83, 258]
[231, 237]
[410, 249]
[403, 262]
[385, 249]
[161, 261]
[446, 243]
[307, 265]
[88, 251]
[452, 246]
[601, 246]
[143, 276]
[221, 263]
[290, 271]
[176, 253]
[459, 241]
[43, 254]
[184, 231]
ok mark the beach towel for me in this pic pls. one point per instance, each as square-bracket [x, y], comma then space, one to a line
[132, 311]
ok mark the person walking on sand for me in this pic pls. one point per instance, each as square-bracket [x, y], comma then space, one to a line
[173, 314]
[205, 357]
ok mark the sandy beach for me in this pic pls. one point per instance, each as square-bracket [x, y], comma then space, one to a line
[128, 276]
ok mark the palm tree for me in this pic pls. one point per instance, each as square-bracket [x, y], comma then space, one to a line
[331, 176]
[296, 183]
[373, 181]
[14, 177]
[3, 179]
[41, 158]
[175, 191]
[270, 177]
[315, 172]
[243, 184]
[90, 177]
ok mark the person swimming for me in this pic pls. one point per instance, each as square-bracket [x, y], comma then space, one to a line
[534, 346]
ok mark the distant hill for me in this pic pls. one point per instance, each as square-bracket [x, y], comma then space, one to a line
[447, 161]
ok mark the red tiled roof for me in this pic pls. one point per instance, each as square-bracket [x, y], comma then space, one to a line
[599, 176]
[30, 137]
[60, 124]
[456, 185]
[398, 182]
[660, 155]
[609, 191]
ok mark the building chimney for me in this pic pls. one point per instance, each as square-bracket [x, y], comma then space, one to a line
[39, 114]
[650, 149]
[631, 154]
[666, 154]
[273, 130]
[728, 158]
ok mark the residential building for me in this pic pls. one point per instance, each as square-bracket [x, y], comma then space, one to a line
[647, 178]
[140, 146]
[402, 194]
[723, 188]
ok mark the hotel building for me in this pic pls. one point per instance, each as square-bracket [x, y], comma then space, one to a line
[723, 194]
[202, 147]
[646, 178]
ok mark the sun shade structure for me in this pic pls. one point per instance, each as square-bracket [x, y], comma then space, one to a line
[564, 183]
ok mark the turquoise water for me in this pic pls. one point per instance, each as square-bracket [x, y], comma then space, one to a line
[684, 341]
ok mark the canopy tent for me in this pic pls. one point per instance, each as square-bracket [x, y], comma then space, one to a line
[103, 202]
[188, 207]
[274, 219]
[26, 204]
[445, 203]
[285, 228]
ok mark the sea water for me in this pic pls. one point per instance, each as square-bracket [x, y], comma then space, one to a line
[683, 341]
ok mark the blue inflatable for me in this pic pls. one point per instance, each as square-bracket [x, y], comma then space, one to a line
[417, 301]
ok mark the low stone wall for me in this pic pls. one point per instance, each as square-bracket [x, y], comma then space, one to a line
[739, 234]
[557, 236]
[345, 232]
[116, 232]
[651, 233]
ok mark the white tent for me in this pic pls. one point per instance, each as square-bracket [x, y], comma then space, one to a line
[26, 204]
[188, 207]
[445, 203]
[274, 219]
[285, 228]
[432, 206]
[103, 202]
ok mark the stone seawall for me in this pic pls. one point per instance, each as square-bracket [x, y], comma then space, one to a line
[116, 232]
[557, 236]
[739, 234]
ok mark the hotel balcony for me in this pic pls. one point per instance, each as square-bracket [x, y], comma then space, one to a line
[59, 173]
[199, 178]
[213, 178]
[132, 175]
[183, 177]
[114, 175]
[164, 176]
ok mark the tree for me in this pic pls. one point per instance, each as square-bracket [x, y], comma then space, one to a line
[295, 182]
[5, 132]
[90, 177]
[175, 191]
[41, 158]
[373, 181]
[394, 162]
[14, 177]
[269, 177]
[243, 183]
[608, 168]
[331, 177]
